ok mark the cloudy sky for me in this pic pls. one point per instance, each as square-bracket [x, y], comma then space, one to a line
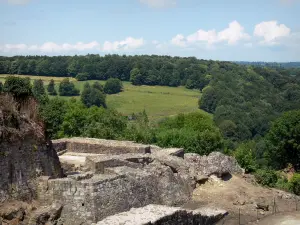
[253, 30]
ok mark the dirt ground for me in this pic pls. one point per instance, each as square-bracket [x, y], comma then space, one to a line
[235, 195]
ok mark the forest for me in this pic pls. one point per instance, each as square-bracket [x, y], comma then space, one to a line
[254, 111]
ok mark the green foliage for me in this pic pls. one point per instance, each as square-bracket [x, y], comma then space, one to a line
[245, 155]
[136, 77]
[19, 87]
[113, 86]
[82, 76]
[284, 137]
[295, 184]
[266, 177]
[67, 88]
[91, 122]
[51, 88]
[195, 132]
[53, 114]
[39, 92]
[98, 86]
[91, 96]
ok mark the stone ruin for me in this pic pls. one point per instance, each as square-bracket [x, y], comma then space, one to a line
[105, 178]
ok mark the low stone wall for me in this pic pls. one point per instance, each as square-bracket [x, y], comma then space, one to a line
[164, 215]
[100, 146]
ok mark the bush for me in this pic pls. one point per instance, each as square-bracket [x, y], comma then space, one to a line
[82, 76]
[195, 132]
[39, 92]
[67, 88]
[91, 96]
[295, 184]
[245, 156]
[1, 87]
[18, 87]
[51, 88]
[113, 86]
[98, 86]
[266, 177]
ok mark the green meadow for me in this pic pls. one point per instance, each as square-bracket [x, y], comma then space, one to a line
[158, 101]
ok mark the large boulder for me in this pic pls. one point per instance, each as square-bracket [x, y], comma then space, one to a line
[215, 163]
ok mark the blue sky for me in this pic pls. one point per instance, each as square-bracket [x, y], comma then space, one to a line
[265, 30]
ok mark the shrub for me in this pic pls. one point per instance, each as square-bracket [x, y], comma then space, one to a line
[295, 184]
[113, 86]
[91, 96]
[266, 177]
[1, 87]
[18, 87]
[67, 88]
[51, 88]
[245, 156]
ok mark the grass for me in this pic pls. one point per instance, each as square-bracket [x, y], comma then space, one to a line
[158, 101]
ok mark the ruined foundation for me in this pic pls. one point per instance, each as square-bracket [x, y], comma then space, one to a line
[105, 178]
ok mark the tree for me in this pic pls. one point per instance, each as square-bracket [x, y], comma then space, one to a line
[136, 77]
[98, 86]
[18, 87]
[67, 88]
[82, 76]
[53, 113]
[91, 96]
[284, 136]
[38, 91]
[113, 86]
[51, 88]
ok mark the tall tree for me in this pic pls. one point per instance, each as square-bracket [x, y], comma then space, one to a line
[91, 96]
[38, 91]
[67, 88]
[51, 88]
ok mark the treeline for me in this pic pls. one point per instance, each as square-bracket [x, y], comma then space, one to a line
[140, 70]
[271, 64]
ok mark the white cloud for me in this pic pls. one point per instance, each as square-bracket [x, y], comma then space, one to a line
[179, 40]
[271, 32]
[232, 35]
[16, 2]
[50, 47]
[159, 3]
[127, 44]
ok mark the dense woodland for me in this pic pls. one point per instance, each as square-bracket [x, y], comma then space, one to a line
[255, 109]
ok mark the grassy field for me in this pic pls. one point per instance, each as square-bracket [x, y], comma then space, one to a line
[158, 101]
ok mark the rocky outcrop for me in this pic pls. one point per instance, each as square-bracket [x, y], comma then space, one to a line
[215, 163]
[163, 215]
[25, 153]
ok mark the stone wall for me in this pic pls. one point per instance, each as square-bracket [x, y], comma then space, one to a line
[163, 215]
[91, 197]
[100, 146]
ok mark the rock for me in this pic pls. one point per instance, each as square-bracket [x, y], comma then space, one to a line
[215, 163]
[46, 215]
[164, 215]
[262, 206]
[25, 153]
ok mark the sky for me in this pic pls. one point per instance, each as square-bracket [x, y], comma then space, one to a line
[233, 30]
